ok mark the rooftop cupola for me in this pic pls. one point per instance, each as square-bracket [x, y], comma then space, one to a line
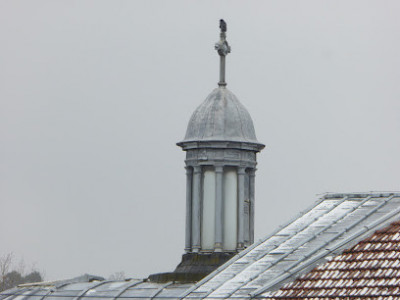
[221, 117]
[221, 147]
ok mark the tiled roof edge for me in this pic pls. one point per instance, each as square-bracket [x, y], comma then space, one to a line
[338, 249]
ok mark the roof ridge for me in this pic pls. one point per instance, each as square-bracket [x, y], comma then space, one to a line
[351, 276]
[378, 194]
[361, 232]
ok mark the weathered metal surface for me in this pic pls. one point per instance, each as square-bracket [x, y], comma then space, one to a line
[133, 289]
[223, 49]
[370, 269]
[193, 267]
[336, 222]
[221, 117]
[221, 144]
[316, 237]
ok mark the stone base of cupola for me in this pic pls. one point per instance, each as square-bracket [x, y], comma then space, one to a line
[193, 267]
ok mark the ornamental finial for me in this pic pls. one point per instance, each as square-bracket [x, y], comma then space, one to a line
[222, 25]
[223, 49]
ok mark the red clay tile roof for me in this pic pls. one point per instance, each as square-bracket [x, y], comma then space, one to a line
[370, 269]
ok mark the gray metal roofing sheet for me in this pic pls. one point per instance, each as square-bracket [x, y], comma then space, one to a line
[336, 221]
[92, 290]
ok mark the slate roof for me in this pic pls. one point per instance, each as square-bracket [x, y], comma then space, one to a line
[334, 223]
[369, 269]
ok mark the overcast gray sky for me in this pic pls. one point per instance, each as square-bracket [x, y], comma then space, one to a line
[95, 94]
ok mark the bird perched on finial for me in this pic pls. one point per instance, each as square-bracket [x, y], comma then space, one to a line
[222, 46]
[223, 49]
[222, 25]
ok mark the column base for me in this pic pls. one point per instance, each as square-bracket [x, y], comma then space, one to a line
[218, 247]
[240, 247]
[193, 267]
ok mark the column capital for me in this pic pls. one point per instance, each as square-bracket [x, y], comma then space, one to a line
[241, 170]
[219, 169]
[252, 172]
[196, 169]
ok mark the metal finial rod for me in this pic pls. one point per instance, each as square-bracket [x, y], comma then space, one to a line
[223, 49]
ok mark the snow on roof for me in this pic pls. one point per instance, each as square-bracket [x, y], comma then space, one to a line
[333, 224]
[369, 269]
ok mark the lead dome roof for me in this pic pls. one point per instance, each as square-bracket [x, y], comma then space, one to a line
[221, 117]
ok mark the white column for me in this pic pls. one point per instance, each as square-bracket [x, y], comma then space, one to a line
[196, 212]
[208, 210]
[219, 214]
[252, 176]
[241, 199]
[230, 208]
[188, 240]
[246, 222]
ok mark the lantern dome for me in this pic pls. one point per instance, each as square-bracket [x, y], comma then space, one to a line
[221, 117]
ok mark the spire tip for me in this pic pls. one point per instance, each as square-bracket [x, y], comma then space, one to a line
[222, 25]
[223, 50]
